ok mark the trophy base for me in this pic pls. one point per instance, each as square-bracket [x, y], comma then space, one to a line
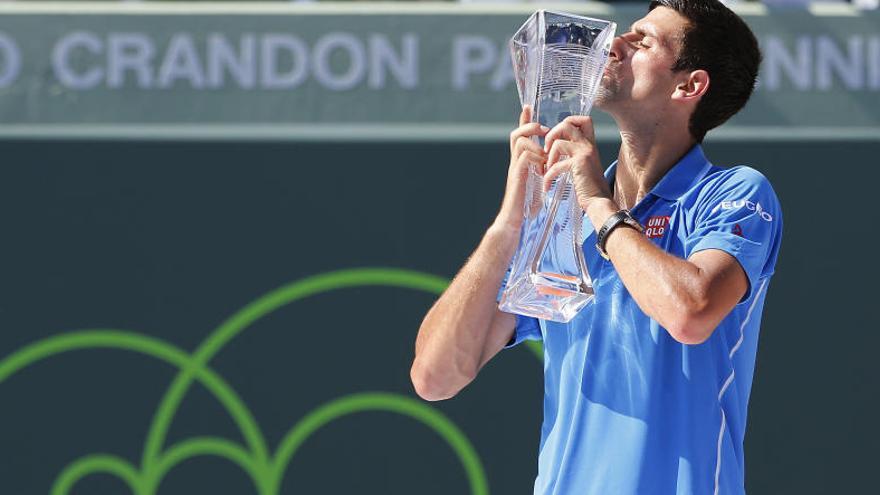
[548, 296]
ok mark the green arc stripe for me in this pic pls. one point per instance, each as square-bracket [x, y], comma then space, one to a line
[267, 474]
[385, 277]
[378, 401]
[217, 447]
[93, 464]
[130, 341]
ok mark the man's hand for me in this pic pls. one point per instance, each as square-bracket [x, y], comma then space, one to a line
[524, 152]
[571, 145]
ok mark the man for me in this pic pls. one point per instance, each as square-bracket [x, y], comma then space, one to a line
[646, 389]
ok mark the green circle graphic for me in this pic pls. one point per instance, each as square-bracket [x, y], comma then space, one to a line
[265, 470]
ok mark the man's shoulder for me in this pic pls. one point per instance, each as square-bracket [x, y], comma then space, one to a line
[721, 187]
[736, 176]
[738, 179]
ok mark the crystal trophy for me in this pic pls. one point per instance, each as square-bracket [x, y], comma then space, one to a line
[558, 61]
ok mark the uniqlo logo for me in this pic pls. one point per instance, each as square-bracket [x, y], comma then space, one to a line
[657, 226]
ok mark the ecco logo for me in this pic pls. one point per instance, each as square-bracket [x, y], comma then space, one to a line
[739, 203]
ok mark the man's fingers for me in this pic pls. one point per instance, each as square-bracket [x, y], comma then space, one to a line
[523, 143]
[579, 120]
[564, 130]
[585, 124]
[575, 128]
[532, 158]
[560, 150]
[526, 115]
[526, 130]
[554, 171]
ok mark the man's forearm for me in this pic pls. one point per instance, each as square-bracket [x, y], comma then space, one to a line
[454, 333]
[669, 289]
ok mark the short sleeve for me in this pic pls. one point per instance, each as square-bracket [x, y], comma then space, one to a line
[527, 327]
[739, 214]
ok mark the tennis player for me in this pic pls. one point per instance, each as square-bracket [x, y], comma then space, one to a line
[647, 388]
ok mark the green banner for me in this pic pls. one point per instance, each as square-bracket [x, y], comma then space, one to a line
[387, 71]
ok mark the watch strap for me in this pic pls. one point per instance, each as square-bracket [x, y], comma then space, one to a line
[623, 217]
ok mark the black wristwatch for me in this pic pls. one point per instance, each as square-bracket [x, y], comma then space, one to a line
[622, 217]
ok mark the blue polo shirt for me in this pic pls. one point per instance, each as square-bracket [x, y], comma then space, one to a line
[629, 410]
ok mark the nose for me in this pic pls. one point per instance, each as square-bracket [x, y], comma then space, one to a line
[618, 49]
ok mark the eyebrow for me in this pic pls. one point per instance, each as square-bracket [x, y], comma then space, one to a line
[645, 30]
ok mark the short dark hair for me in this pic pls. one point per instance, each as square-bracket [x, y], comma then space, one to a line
[718, 41]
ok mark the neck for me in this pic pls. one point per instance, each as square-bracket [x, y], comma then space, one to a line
[645, 157]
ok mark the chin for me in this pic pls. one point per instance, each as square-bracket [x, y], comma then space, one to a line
[605, 103]
[603, 98]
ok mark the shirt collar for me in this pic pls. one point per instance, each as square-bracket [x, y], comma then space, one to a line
[689, 170]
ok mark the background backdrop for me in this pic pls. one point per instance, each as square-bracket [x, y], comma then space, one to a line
[216, 289]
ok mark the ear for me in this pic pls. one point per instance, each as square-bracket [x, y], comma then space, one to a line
[693, 87]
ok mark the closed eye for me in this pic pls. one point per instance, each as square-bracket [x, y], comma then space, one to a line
[636, 39]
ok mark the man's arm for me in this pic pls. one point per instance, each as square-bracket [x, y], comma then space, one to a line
[465, 328]
[688, 298]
